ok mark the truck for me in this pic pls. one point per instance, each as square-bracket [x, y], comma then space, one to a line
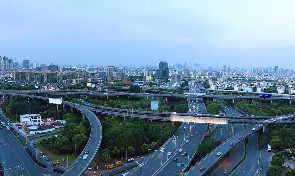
[115, 164]
[265, 95]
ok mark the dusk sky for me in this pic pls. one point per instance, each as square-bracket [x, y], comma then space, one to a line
[237, 33]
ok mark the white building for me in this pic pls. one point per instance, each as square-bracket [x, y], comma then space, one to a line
[35, 118]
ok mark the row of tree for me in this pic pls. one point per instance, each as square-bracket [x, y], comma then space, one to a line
[143, 104]
[258, 109]
[275, 169]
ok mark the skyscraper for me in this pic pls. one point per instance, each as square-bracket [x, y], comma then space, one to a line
[224, 68]
[276, 69]
[26, 64]
[6, 64]
[163, 71]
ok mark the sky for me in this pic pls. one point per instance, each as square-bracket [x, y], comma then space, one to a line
[243, 34]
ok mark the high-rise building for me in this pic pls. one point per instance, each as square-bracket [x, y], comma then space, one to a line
[175, 78]
[110, 72]
[224, 68]
[6, 64]
[53, 67]
[163, 71]
[26, 64]
[276, 70]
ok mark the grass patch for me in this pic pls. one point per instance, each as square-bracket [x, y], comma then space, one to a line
[19, 139]
[123, 170]
[216, 130]
[53, 157]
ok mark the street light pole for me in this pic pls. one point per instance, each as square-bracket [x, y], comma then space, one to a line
[29, 105]
[67, 162]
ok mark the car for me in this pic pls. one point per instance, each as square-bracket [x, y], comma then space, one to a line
[34, 145]
[196, 133]
[253, 129]
[225, 172]
[85, 156]
[202, 168]
[130, 160]
[259, 126]
[184, 154]
[218, 153]
[180, 150]
[241, 116]
[239, 137]
[192, 135]
[231, 144]
[175, 159]
[87, 152]
[168, 153]
[162, 149]
[46, 158]
[173, 138]
[186, 141]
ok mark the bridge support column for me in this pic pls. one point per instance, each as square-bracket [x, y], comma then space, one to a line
[233, 100]
[289, 101]
[271, 101]
[107, 97]
[83, 117]
[72, 109]
[232, 129]
[166, 98]
[151, 120]
[63, 105]
[263, 128]
[173, 123]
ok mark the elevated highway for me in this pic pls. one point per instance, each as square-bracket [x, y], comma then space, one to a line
[252, 97]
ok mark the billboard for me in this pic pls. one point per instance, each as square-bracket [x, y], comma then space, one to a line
[55, 100]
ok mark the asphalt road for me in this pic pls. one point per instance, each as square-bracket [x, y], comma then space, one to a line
[250, 165]
[156, 160]
[237, 153]
[190, 146]
[14, 158]
[94, 141]
[212, 158]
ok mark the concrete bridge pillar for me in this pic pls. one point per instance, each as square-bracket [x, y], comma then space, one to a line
[232, 129]
[233, 100]
[270, 101]
[63, 105]
[83, 117]
[151, 120]
[72, 109]
[289, 101]
[263, 128]
[173, 123]
[107, 97]
[166, 98]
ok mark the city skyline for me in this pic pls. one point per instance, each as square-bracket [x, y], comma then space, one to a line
[238, 34]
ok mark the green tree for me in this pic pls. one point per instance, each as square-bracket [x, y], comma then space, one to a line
[277, 159]
[134, 89]
[106, 156]
[206, 84]
[290, 173]
[144, 147]
[61, 145]
[274, 170]
[80, 140]
[276, 143]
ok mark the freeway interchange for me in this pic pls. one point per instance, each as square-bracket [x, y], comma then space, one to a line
[161, 162]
